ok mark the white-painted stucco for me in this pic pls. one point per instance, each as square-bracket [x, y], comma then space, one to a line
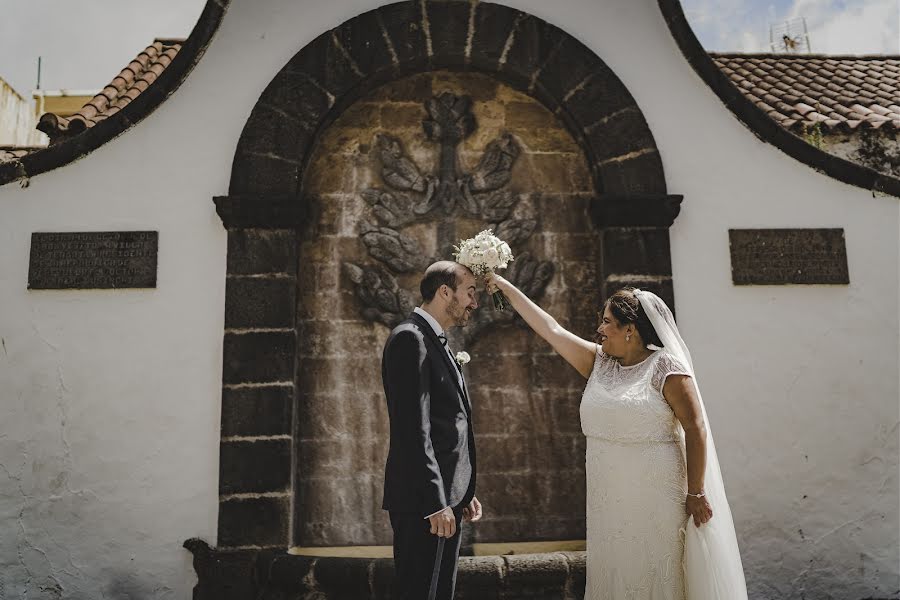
[110, 400]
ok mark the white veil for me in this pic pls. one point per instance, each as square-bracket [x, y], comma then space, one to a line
[712, 561]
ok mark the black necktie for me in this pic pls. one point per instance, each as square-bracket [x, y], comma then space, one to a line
[443, 339]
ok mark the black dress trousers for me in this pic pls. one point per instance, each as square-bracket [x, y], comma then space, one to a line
[415, 550]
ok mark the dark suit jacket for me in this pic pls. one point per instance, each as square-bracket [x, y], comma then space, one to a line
[431, 461]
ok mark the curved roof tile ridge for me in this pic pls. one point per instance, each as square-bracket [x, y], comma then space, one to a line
[130, 82]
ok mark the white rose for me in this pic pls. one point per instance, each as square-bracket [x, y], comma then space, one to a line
[492, 258]
[463, 358]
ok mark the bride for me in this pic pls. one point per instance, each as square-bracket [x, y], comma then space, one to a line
[650, 456]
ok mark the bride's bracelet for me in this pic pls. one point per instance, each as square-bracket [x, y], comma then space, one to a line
[700, 495]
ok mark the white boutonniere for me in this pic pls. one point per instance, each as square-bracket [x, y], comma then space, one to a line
[463, 358]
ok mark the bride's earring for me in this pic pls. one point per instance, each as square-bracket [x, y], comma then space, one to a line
[627, 338]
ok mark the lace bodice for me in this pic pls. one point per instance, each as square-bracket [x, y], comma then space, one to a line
[626, 404]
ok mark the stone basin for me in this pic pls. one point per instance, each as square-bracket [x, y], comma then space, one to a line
[279, 575]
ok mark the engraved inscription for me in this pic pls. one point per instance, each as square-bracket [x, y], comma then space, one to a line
[788, 256]
[93, 260]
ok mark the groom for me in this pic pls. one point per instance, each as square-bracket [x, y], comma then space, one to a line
[429, 479]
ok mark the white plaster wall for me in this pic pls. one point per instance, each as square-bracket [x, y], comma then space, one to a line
[109, 417]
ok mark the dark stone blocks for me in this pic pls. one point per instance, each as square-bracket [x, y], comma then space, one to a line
[252, 302]
[254, 522]
[480, 578]
[536, 576]
[326, 64]
[635, 210]
[340, 579]
[626, 132]
[273, 574]
[639, 175]
[601, 95]
[254, 411]
[263, 174]
[262, 251]
[403, 23]
[254, 466]
[533, 43]
[222, 574]
[361, 38]
[258, 357]
[642, 251]
[493, 25]
[449, 26]
[262, 211]
[275, 133]
[570, 65]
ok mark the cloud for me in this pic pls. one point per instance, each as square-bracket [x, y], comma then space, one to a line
[835, 26]
[729, 25]
[855, 27]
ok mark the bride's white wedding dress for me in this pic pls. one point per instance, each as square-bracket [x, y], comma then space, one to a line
[636, 481]
[641, 545]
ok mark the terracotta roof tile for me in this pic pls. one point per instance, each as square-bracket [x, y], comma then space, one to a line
[134, 79]
[14, 152]
[837, 92]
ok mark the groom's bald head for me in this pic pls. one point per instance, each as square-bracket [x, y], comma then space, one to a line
[443, 272]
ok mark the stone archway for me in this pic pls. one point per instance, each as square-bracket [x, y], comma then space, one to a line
[265, 212]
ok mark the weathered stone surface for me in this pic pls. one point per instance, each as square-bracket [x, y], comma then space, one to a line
[535, 576]
[262, 211]
[533, 42]
[264, 174]
[449, 27]
[275, 575]
[641, 251]
[254, 466]
[258, 357]
[368, 51]
[341, 579]
[254, 522]
[262, 251]
[788, 256]
[568, 67]
[641, 174]
[635, 210]
[222, 574]
[326, 65]
[93, 260]
[494, 24]
[257, 411]
[253, 302]
[277, 132]
[620, 134]
[339, 427]
[601, 95]
[403, 23]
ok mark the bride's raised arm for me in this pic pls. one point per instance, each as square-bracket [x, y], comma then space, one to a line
[578, 352]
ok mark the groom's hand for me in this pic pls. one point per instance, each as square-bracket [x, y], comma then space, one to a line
[473, 511]
[443, 524]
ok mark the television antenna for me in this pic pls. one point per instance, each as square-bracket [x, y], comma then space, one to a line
[790, 37]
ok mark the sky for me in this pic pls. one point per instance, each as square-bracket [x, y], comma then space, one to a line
[835, 26]
[84, 44]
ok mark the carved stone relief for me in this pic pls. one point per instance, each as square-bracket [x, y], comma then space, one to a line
[410, 196]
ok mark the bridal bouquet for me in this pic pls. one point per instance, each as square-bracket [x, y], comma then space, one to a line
[483, 254]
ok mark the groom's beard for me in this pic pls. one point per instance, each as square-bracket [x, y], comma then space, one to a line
[459, 313]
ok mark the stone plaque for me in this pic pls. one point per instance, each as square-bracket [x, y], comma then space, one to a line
[93, 260]
[788, 256]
